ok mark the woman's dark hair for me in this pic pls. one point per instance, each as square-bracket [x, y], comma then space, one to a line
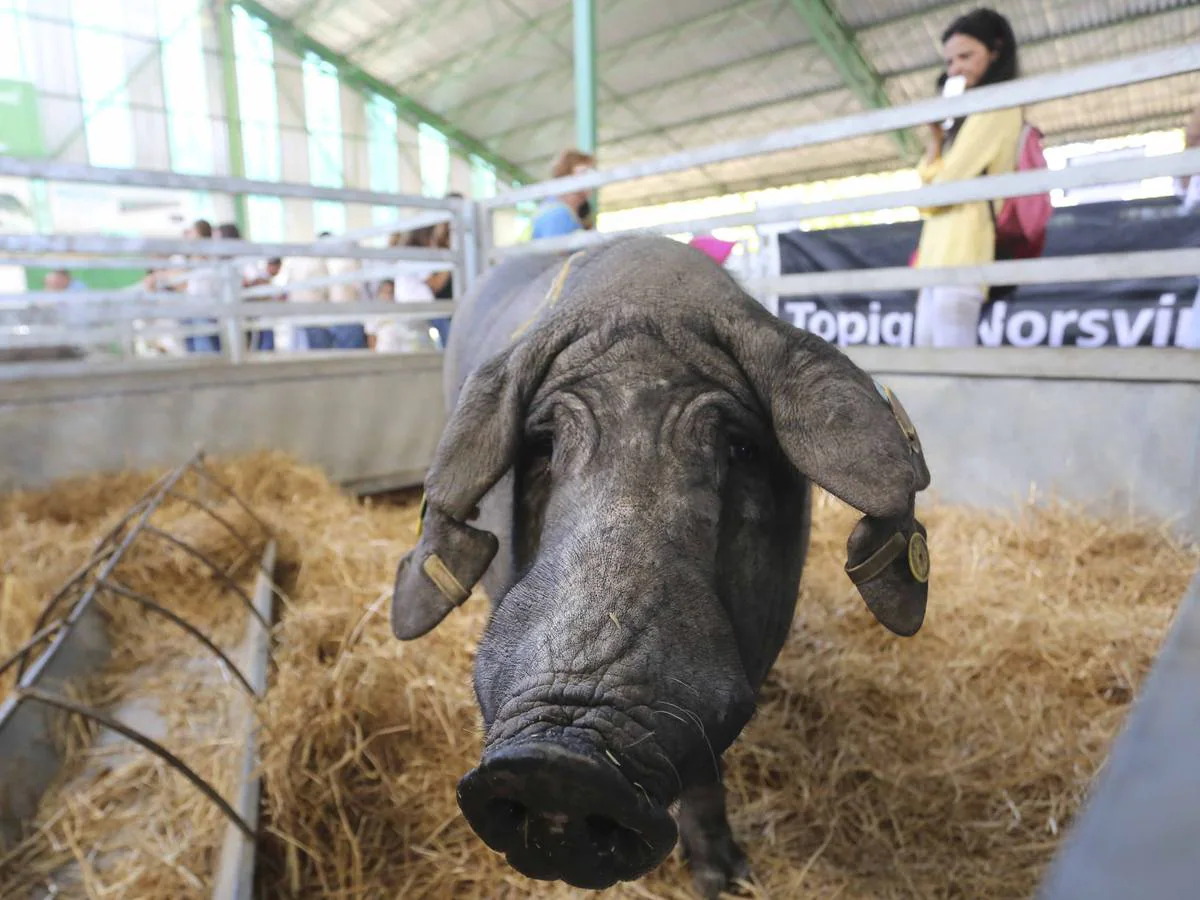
[993, 31]
[229, 231]
[420, 237]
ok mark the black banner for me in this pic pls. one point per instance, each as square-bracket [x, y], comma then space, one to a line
[1123, 313]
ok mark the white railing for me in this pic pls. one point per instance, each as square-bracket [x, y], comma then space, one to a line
[1101, 76]
[127, 317]
[125, 323]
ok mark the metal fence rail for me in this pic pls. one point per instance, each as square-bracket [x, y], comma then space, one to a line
[1131, 70]
[128, 319]
[991, 187]
[1146, 264]
[75, 173]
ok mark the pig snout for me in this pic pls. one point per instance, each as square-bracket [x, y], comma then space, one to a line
[558, 812]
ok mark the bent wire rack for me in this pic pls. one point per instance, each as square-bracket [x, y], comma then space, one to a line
[68, 639]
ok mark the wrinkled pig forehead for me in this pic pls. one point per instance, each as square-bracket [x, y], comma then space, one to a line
[631, 353]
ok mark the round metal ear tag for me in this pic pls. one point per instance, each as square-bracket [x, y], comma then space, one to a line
[918, 557]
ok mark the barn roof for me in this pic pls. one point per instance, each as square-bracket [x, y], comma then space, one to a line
[675, 74]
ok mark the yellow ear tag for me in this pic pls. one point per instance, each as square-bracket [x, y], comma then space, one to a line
[421, 515]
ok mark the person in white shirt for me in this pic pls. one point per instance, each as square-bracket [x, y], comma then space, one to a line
[396, 336]
[345, 335]
[204, 284]
[297, 269]
[261, 274]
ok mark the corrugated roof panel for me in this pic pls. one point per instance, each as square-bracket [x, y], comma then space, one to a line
[748, 85]
[757, 83]
[413, 46]
[687, 73]
[707, 43]
[692, 101]
[286, 8]
[618, 21]
[739, 125]
[912, 43]
[860, 14]
[547, 90]
[1168, 101]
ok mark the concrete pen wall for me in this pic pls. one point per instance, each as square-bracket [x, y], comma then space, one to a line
[1115, 429]
[368, 420]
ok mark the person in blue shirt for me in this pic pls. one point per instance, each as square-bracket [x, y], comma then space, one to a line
[570, 212]
[70, 313]
[62, 280]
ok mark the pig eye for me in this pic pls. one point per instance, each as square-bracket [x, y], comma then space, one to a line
[540, 446]
[742, 451]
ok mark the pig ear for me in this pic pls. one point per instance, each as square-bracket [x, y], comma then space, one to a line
[478, 445]
[850, 435]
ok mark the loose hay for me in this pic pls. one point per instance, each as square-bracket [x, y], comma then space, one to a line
[119, 821]
[947, 765]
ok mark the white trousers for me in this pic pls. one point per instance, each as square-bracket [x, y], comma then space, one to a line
[1191, 339]
[948, 317]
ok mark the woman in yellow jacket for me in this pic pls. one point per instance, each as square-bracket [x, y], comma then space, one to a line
[981, 48]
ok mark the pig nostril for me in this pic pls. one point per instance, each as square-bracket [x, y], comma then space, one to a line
[508, 813]
[610, 838]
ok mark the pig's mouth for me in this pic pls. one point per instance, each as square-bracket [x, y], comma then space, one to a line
[561, 811]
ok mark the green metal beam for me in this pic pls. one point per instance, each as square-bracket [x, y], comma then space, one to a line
[408, 109]
[739, 71]
[731, 72]
[590, 142]
[233, 109]
[860, 76]
[585, 75]
[643, 46]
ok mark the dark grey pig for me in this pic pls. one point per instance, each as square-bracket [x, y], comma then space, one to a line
[626, 469]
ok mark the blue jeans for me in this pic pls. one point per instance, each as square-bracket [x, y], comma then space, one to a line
[202, 343]
[337, 337]
[443, 330]
[263, 340]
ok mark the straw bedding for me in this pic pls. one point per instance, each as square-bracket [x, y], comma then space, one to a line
[947, 765]
[119, 819]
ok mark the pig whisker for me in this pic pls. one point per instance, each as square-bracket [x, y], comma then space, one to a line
[684, 683]
[644, 737]
[644, 794]
[671, 766]
[694, 719]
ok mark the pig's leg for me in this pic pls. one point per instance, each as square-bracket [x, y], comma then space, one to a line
[715, 859]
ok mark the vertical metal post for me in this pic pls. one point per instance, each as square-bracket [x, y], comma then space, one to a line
[233, 109]
[774, 262]
[585, 75]
[231, 284]
[465, 234]
[485, 237]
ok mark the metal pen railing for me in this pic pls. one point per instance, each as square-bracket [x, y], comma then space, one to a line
[126, 319]
[232, 310]
[1023, 92]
